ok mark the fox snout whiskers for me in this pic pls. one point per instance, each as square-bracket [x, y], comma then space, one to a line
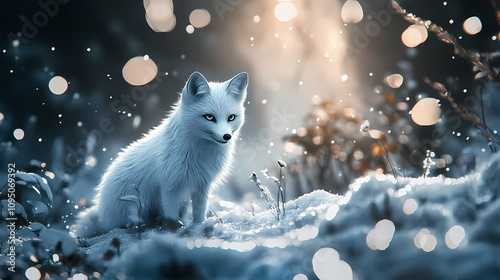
[216, 138]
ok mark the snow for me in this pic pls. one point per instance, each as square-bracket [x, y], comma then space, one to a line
[258, 246]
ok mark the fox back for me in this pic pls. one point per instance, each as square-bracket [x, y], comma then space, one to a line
[183, 158]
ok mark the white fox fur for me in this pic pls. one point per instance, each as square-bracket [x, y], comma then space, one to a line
[182, 158]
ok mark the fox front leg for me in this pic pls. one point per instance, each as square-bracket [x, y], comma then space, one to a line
[170, 205]
[200, 205]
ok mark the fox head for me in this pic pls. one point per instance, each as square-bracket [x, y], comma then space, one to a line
[214, 111]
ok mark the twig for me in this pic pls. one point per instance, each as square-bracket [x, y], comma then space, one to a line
[215, 214]
[446, 37]
[462, 111]
[282, 165]
[386, 155]
[365, 127]
[484, 118]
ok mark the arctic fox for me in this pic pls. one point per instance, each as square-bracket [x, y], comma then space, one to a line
[182, 158]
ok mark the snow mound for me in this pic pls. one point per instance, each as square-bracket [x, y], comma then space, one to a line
[383, 228]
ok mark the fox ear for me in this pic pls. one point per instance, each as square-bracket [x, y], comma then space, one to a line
[237, 86]
[196, 87]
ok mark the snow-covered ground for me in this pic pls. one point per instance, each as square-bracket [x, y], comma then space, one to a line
[383, 228]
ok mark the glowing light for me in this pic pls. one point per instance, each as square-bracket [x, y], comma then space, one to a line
[190, 29]
[414, 35]
[301, 131]
[285, 11]
[328, 265]
[256, 19]
[91, 161]
[344, 78]
[55, 257]
[307, 232]
[410, 206]
[160, 15]
[394, 80]
[200, 18]
[2, 117]
[139, 70]
[58, 85]
[50, 174]
[454, 237]
[137, 121]
[381, 236]
[473, 25]
[426, 112]
[351, 12]
[425, 240]
[80, 276]
[158, 10]
[331, 212]
[300, 277]
[323, 261]
[18, 134]
[33, 273]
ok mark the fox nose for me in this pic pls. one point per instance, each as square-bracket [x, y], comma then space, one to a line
[226, 137]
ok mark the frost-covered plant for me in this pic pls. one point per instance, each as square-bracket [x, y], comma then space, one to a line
[365, 127]
[428, 163]
[27, 191]
[264, 191]
[485, 73]
[280, 183]
[330, 151]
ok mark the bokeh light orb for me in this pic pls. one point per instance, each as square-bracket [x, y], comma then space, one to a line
[80, 276]
[158, 10]
[33, 273]
[454, 236]
[414, 35]
[160, 15]
[166, 24]
[473, 25]
[425, 240]
[343, 271]
[426, 112]
[327, 265]
[18, 134]
[300, 277]
[394, 80]
[285, 11]
[199, 18]
[410, 206]
[351, 12]
[139, 70]
[58, 85]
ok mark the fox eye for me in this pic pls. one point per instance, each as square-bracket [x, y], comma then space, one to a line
[231, 117]
[209, 117]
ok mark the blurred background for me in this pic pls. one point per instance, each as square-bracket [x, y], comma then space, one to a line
[83, 79]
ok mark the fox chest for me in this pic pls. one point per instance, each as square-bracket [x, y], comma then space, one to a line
[198, 167]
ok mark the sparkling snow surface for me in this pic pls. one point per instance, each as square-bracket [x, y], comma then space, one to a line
[410, 228]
